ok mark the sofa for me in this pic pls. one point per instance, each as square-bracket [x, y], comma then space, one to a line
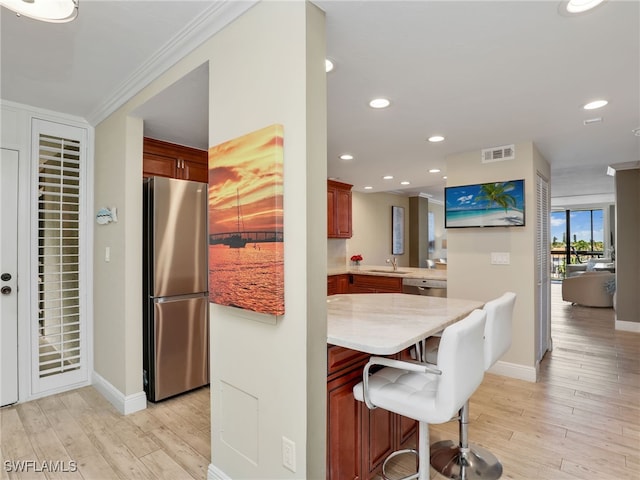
[574, 269]
[591, 289]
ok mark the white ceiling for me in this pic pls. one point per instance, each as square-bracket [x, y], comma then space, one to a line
[481, 73]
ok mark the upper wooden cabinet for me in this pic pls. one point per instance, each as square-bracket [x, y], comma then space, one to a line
[166, 159]
[338, 209]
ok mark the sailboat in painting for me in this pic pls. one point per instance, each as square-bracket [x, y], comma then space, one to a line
[236, 240]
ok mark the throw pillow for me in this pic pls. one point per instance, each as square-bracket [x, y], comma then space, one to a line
[610, 285]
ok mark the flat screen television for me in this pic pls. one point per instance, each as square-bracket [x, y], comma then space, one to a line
[493, 204]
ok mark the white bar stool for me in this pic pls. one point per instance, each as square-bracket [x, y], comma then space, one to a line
[424, 393]
[463, 461]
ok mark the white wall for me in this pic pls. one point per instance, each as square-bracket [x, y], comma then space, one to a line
[268, 378]
[371, 214]
[280, 368]
[336, 253]
[117, 284]
[470, 273]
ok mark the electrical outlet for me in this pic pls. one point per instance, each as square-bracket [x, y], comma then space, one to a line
[289, 454]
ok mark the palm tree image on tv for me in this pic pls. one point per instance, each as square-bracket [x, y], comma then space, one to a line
[491, 204]
[496, 193]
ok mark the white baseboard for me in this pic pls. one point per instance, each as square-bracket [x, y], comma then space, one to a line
[214, 473]
[514, 370]
[125, 404]
[627, 326]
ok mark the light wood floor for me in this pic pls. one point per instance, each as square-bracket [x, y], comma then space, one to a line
[169, 440]
[580, 421]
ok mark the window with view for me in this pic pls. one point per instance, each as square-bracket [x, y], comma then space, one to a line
[576, 236]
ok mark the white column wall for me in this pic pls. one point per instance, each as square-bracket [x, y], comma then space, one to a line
[266, 67]
[470, 273]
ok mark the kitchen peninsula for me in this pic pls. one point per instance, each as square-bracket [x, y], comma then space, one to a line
[359, 325]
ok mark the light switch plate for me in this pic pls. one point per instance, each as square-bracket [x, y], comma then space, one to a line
[289, 454]
[500, 258]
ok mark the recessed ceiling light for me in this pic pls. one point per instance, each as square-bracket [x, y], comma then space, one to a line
[579, 6]
[368, 187]
[434, 170]
[595, 104]
[405, 183]
[328, 65]
[436, 138]
[444, 178]
[346, 156]
[388, 177]
[379, 103]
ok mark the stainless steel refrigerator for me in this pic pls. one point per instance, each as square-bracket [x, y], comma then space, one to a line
[175, 278]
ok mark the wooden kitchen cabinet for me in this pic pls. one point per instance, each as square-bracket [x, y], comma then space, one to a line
[378, 439]
[337, 284]
[344, 413]
[374, 284]
[343, 427]
[338, 209]
[166, 159]
[358, 439]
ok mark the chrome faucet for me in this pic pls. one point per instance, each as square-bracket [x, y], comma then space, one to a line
[393, 262]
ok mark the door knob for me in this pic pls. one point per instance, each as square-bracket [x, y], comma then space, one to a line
[5, 290]
[5, 277]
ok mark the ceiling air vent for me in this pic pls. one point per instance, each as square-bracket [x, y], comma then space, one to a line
[498, 154]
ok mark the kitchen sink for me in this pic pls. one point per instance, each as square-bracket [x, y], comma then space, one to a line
[397, 272]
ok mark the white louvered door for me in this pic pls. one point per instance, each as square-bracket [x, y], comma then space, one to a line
[543, 281]
[59, 340]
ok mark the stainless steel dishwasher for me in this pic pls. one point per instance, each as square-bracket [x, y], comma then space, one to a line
[421, 286]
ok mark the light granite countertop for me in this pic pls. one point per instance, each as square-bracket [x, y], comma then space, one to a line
[387, 323]
[387, 271]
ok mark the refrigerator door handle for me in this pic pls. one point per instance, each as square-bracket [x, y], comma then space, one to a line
[177, 298]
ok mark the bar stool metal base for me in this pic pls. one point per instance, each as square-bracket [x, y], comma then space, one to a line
[394, 454]
[476, 463]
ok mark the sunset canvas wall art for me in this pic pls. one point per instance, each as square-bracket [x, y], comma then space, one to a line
[246, 243]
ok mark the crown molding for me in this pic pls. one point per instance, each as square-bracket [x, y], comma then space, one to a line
[212, 20]
[591, 199]
[46, 114]
[625, 166]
